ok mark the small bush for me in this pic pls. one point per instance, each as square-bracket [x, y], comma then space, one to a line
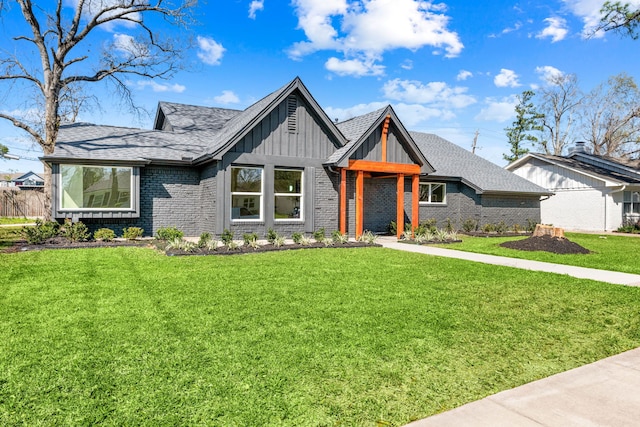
[297, 237]
[226, 237]
[249, 239]
[180, 244]
[501, 227]
[319, 235]
[339, 238]
[531, 225]
[430, 224]
[104, 234]
[75, 231]
[393, 228]
[278, 241]
[407, 235]
[204, 240]
[42, 231]
[132, 233]
[305, 241]
[271, 235]
[469, 225]
[368, 237]
[488, 228]
[169, 233]
[231, 245]
[517, 228]
[449, 225]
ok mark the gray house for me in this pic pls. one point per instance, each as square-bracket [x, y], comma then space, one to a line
[281, 164]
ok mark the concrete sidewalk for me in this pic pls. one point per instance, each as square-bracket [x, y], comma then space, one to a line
[604, 393]
[579, 272]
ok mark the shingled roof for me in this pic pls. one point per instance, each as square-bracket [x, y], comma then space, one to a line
[453, 161]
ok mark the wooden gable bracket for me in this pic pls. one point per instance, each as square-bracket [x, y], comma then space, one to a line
[385, 132]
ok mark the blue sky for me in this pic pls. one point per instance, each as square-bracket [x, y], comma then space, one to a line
[451, 67]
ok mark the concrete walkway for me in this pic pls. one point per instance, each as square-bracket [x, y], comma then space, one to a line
[579, 272]
[604, 393]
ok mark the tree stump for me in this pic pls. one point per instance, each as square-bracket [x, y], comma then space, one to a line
[548, 230]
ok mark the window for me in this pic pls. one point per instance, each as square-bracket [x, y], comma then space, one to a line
[433, 193]
[631, 202]
[287, 191]
[95, 187]
[246, 193]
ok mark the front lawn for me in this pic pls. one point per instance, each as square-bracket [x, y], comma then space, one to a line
[608, 252]
[366, 337]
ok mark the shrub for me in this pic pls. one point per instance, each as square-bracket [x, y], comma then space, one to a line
[469, 225]
[488, 228]
[226, 237]
[169, 233]
[368, 237]
[407, 235]
[305, 241]
[531, 225]
[271, 235]
[449, 225]
[249, 239]
[319, 235]
[297, 237]
[393, 228]
[278, 241]
[517, 228]
[132, 233]
[430, 224]
[339, 237]
[75, 231]
[104, 234]
[42, 231]
[180, 244]
[204, 240]
[501, 227]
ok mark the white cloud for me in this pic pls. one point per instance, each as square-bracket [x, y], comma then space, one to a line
[498, 110]
[157, 87]
[210, 51]
[342, 114]
[354, 67]
[227, 97]
[464, 75]
[407, 64]
[124, 43]
[506, 78]
[369, 28]
[255, 6]
[92, 8]
[437, 93]
[548, 73]
[410, 114]
[556, 29]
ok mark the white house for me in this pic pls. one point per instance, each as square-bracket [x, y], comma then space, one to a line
[591, 193]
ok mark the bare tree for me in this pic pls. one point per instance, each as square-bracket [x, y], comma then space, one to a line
[63, 53]
[559, 101]
[611, 117]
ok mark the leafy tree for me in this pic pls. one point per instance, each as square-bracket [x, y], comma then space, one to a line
[620, 17]
[62, 54]
[559, 103]
[611, 118]
[527, 120]
[3, 150]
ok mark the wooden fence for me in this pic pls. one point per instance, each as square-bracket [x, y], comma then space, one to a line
[22, 203]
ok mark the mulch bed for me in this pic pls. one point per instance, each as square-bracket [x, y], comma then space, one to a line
[62, 243]
[265, 248]
[556, 245]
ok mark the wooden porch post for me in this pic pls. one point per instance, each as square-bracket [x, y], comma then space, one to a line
[385, 132]
[415, 203]
[343, 200]
[359, 202]
[400, 206]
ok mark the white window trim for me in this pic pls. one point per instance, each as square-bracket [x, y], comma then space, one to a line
[97, 209]
[247, 193]
[429, 202]
[301, 195]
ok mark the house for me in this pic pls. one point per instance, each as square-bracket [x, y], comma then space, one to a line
[592, 193]
[282, 163]
[21, 181]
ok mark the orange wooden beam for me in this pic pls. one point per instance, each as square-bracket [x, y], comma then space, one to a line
[385, 132]
[400, 206]
[369, 166]
[415, 203]
[343, 201]
[359, 203]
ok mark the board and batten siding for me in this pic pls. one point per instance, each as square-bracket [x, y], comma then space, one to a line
[371, 148]
[272, 136]
[554, 177]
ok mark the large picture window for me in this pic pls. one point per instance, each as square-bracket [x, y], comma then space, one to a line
[246, 193]
[433, 193]
[95, 187]
[287, 191]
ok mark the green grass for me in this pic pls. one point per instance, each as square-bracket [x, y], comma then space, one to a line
[9, 235]
[326, 337]
[12, 220]
[609, 252]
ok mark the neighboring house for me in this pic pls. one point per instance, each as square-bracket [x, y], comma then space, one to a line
[22, 181]
[282, 163]
[592, 193]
